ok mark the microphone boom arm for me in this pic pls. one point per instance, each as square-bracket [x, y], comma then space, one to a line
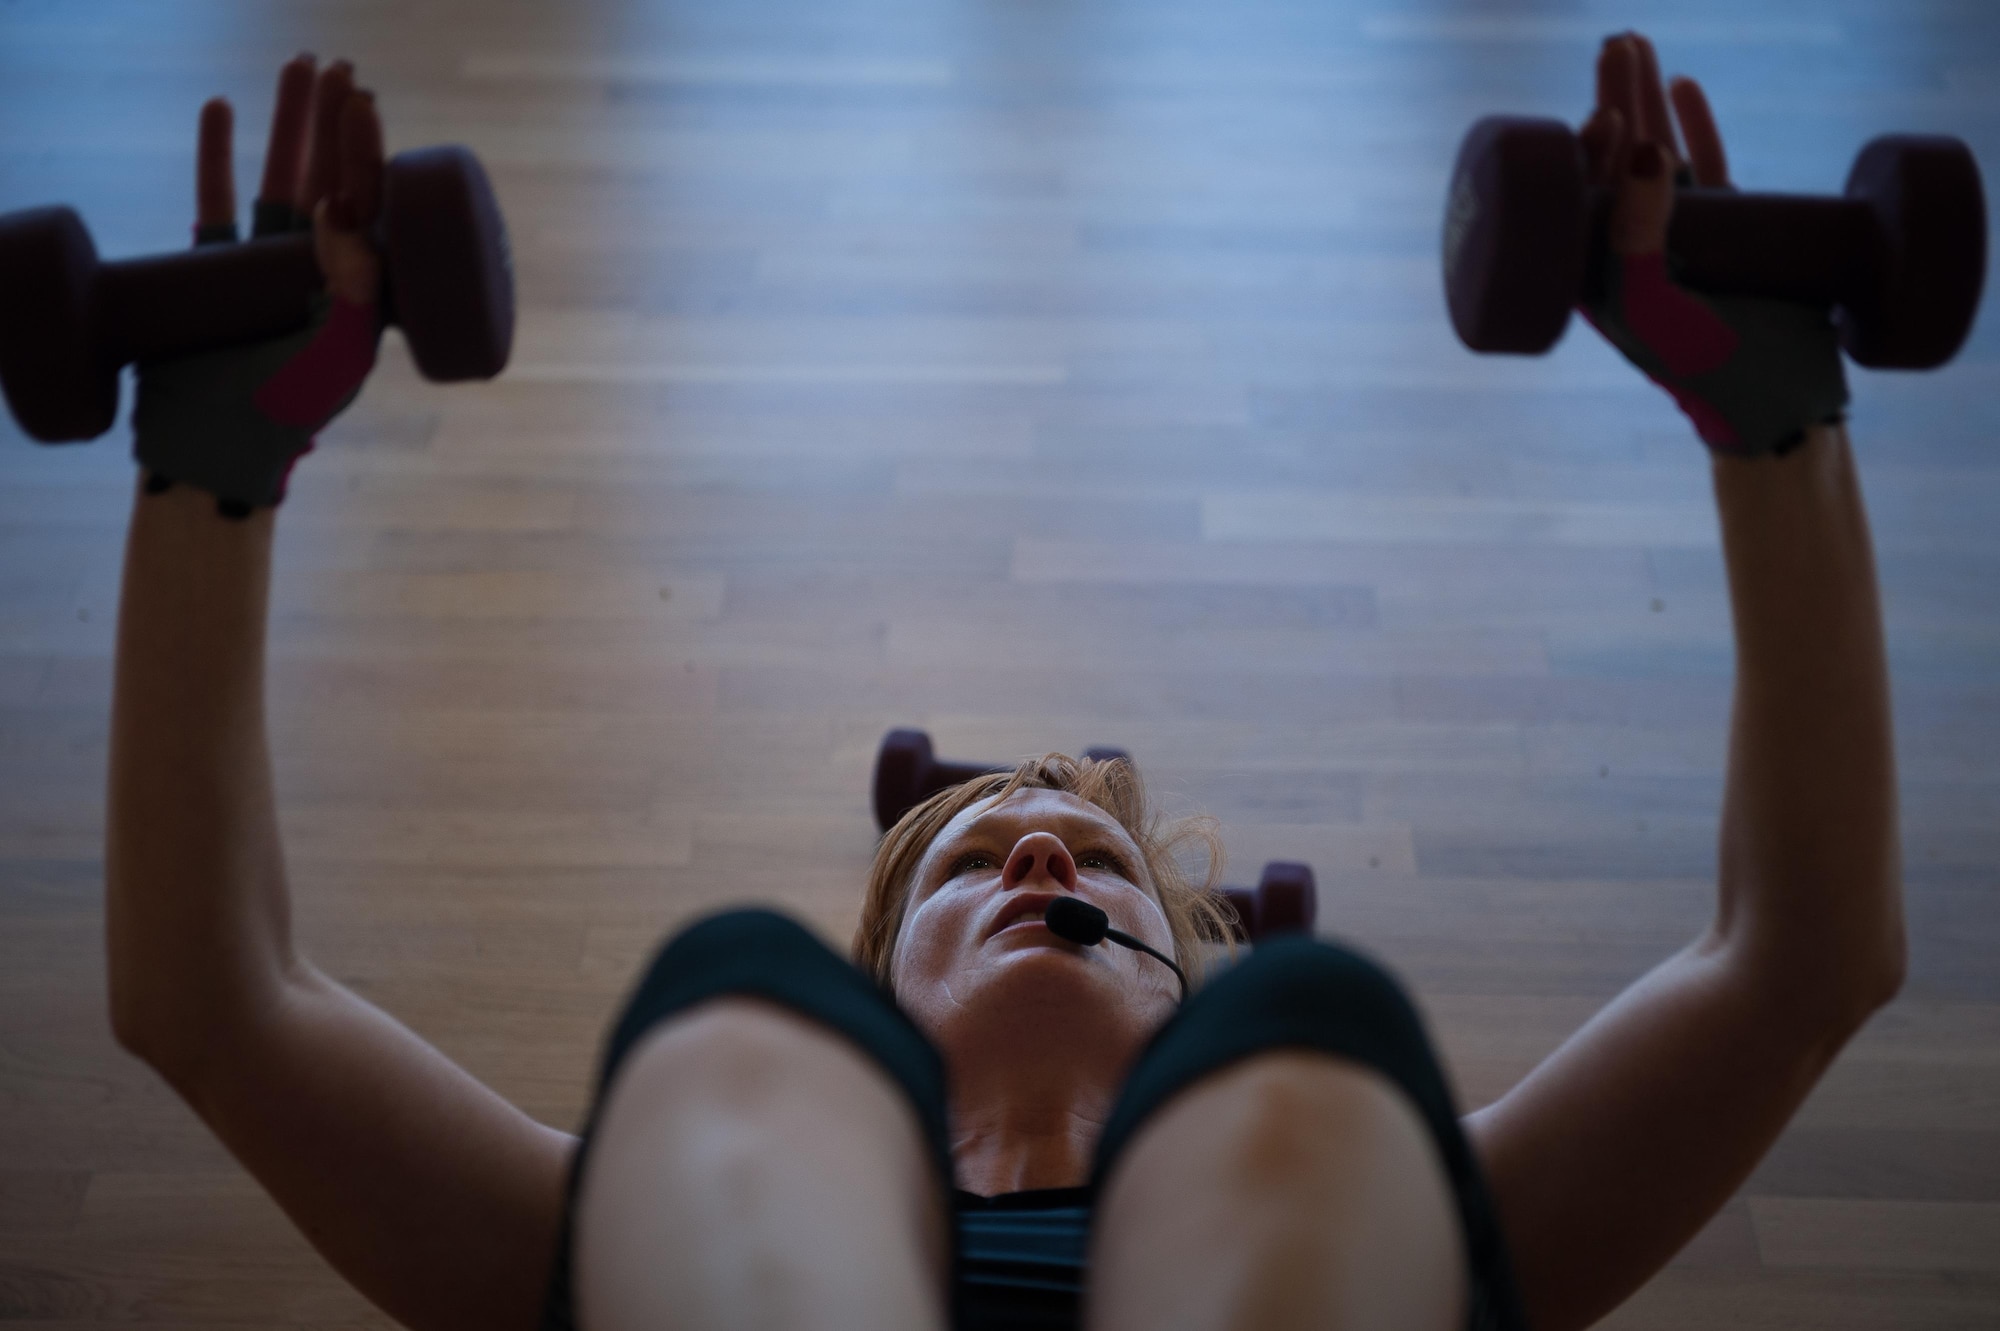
[1121, 937]
[1079, 922]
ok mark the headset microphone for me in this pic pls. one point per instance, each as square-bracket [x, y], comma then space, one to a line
[1077, 921]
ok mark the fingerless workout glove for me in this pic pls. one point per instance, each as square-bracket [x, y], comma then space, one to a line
[234, 422]
[1750, 372]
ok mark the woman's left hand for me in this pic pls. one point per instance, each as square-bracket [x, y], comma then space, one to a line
[322, 169]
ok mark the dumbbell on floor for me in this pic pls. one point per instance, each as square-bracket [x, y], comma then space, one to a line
[1902, 254]
[69, 321]
[908, 772]
[1284, 901]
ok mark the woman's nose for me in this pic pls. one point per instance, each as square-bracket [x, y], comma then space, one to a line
[1040, 855]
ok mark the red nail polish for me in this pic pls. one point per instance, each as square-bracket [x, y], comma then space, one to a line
[1648, 161]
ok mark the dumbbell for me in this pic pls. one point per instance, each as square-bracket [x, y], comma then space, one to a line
[1901, 254]
[908, 772]
[1284, 901]
[69, 321]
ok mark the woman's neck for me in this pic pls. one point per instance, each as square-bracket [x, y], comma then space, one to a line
[1030, 1117]
[1013, 1148]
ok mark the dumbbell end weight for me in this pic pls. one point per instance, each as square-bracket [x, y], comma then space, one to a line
[1928, 207]
[451, 277]
[1285, 900]
[56, 384]
[1289, 899]
[898, 763]
[1515, 234]
[908, 772]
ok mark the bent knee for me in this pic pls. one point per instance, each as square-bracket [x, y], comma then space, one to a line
[1289, 1110]
[1283, 1122]
[738, 1053]
[1291, 1187]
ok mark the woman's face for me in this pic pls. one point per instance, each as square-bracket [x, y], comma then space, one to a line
[974, 954]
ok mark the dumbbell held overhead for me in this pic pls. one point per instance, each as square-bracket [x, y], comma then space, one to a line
[71, 321]
[1901, 254]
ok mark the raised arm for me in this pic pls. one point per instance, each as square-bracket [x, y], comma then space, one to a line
[1614, 1152]
[434, 1196]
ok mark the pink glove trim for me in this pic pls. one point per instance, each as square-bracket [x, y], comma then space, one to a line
[1715, 431]
[285, 481]
[1685, 333]
[309, 387]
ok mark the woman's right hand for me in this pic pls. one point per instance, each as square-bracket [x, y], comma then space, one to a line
[235, 420]
[1751, 373]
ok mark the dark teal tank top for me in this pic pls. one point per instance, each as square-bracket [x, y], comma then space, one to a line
[1021, 1259]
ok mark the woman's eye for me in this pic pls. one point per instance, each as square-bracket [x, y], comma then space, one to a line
[1102, 859]
[966, 863]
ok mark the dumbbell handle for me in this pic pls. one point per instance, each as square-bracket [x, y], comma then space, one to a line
[171, 304]
[1799, 247]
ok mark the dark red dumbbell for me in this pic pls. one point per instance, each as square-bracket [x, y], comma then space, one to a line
[1901, 254]
[1284, 901]
[69, 321]
[908, 772]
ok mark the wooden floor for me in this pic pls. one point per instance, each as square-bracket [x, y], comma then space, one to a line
[1045, 374]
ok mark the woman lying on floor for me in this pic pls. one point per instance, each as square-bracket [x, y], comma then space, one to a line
[976, 1122]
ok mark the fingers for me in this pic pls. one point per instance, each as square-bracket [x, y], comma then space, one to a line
[1650, 113]
[340, 225]
[1645, 201]
[1613, 76]
[1604, 144]
[358, 192]
[215, 178]
[1629, 142]
[1628, 81]
[1618, 94]
[1704, 142]
[290, 121]
[322, 173]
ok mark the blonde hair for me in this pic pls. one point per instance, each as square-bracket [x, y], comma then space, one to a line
[1193, 913]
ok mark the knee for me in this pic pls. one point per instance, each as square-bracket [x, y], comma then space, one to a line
[1292, 1186]
[1284, 1117]
[734, 1136]
[1288, 1125]
[734, 1055]
[743, 1075]
[735, 1090]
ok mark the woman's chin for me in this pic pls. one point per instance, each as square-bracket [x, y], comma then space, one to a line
[1027, 982]
[1045, 977]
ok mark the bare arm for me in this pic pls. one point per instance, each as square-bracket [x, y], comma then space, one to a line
[1624, 1142]
[1610, 1156]
[1810, 866]
[434, 1196]
[197, 919]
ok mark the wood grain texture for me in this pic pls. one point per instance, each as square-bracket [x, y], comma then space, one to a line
[1046, 376]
